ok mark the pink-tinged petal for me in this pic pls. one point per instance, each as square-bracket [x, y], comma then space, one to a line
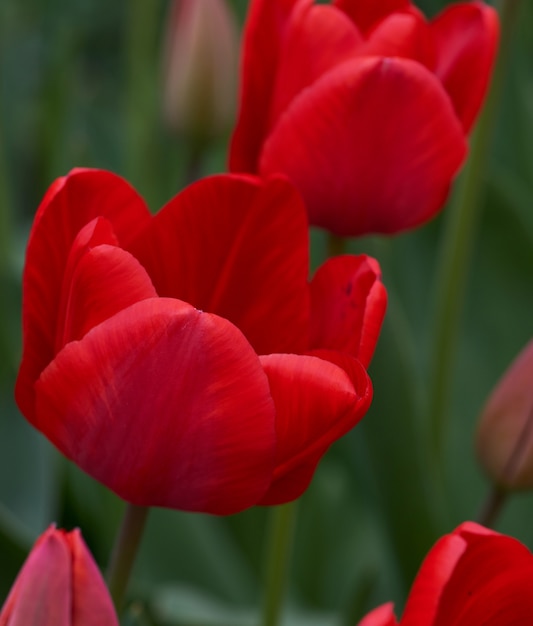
[317, 402]
[264, 34]
[382, 616]
[404, 35]
[361, 165]
[106, 280]
[165, 405]
[318, 38]
[465, 574]
[92, 604]
[237, 247]
[466, 38]
[70, 203]
[367, 14]
[348, 302]
[42, 592]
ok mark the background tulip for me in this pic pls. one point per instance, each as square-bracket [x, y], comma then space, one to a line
[504, 439]
[364, 106]
[200, 68]
[160, 369]
[59, 585]
[471, 576]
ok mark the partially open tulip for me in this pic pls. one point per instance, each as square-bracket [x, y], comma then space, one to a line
[200, 68]
[364, 104]
[59, 585]
[504, 439]
[184, 360]
[471, 577]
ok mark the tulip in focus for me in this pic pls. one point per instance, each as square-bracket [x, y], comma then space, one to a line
[184, 359]
[59, 585]
[200, 69]
[471, 577]
[504, 439]
[364, 104]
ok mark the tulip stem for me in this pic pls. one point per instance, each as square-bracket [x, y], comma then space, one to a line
[124, 551]
[336, 245]
[278, 557]
[492, 506]
[457, 244]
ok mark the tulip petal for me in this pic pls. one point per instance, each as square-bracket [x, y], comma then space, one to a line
[348, 302]
[42, 592]
[238, 248]
[466, 38]
[461, 575]
[382, 616]
[317, 402]
[70, 203]
[404, 35]
[367, 14]
[107, 279]
[361, 165]
[165, 405]
[264, 33]
[318, 38]
[92, 605]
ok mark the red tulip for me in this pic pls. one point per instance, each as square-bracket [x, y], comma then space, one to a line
[59, 585]
[471, 577]
[364, 105]
[184, 360]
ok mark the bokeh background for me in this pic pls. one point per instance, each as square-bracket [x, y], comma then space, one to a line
[80, 85]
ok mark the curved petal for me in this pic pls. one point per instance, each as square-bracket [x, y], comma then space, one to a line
[264, 33]
[237, 247]
[166, 406]
[348, 302]
[71, 202]
[318, 38]
[466, 38]
[316, 402]
[361, 164]
[106, 280]
[42, 592]
[92, 604]
[367, 14]
[464, 574]
[382, 616]
[404, 35]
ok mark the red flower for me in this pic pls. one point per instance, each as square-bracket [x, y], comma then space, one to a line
[59, 585]
[364, 105]
[142, 336]
[470, 577]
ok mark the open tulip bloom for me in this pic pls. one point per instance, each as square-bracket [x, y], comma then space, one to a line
[59, 585]
[185, 360]
[471, 577]
[365, 106]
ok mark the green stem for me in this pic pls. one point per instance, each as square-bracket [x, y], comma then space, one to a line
[492, 506]
[279, 551]
[124, 551]
[457, 245]
[336, 245]
[141, 92]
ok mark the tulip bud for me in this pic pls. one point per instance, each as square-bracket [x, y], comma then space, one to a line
[201, 59]
[59, 585]
[505, 431]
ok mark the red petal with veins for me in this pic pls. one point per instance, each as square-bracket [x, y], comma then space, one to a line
[166, 406]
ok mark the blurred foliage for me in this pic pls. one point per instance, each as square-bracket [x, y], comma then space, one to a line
[79, 86]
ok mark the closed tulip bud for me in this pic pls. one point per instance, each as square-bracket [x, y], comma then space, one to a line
[59, 585]
[505, 431]
[201, 59]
